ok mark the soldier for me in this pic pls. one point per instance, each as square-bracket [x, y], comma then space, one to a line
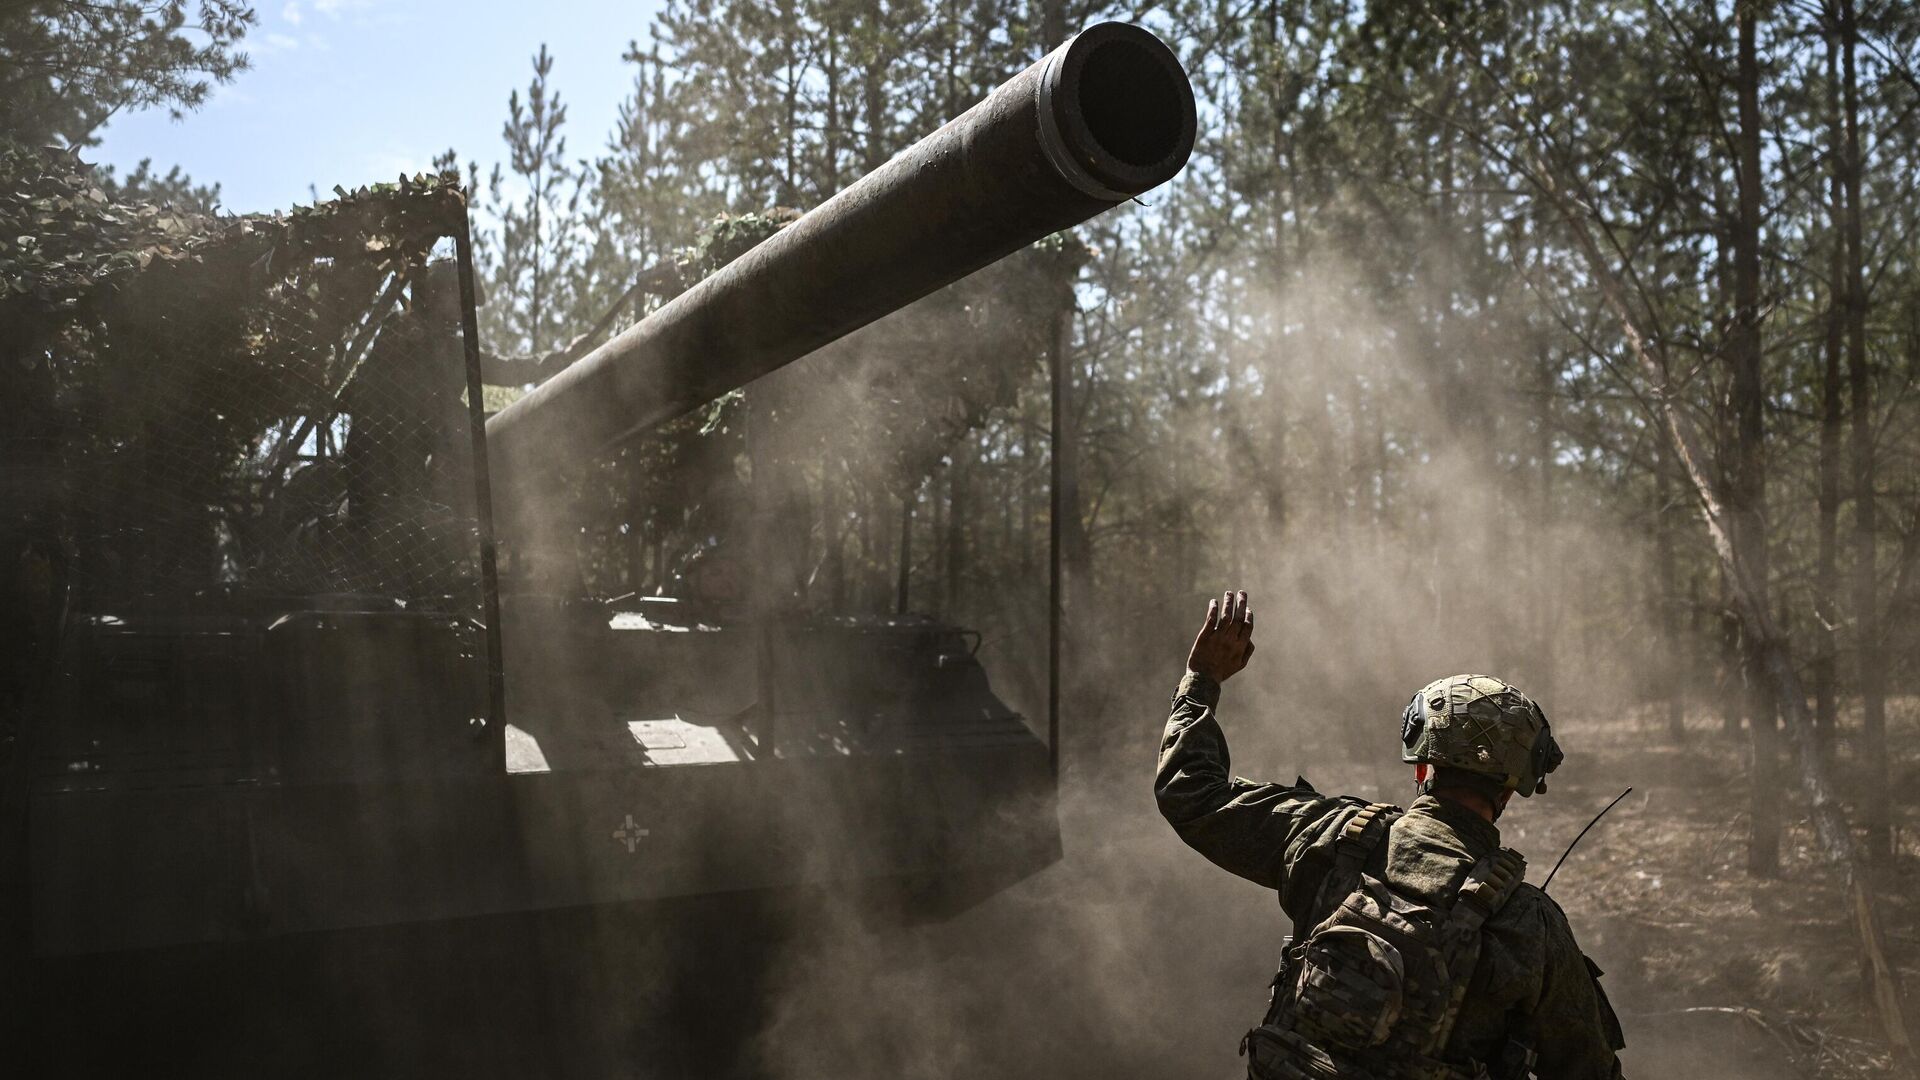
[1417, 951]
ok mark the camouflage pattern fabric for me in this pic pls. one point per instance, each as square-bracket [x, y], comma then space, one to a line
[1530, 980]
[1372, 991]
[1482, 725]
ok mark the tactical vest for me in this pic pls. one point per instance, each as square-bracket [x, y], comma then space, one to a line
[1373, 990]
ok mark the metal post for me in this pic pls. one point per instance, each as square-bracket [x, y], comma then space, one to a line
[482, 496]
[761, 597]
[1056, 502]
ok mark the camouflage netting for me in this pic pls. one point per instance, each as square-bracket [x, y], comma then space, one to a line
[258, 404]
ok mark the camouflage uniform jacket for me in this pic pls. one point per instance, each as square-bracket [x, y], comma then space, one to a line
[1531, 980]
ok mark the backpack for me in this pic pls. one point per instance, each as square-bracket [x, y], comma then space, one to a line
[1373, 990]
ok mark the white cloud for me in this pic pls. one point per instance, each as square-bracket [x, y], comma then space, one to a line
[276, 42]
[292, 13]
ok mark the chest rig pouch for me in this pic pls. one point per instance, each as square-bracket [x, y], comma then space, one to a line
[1373, 990]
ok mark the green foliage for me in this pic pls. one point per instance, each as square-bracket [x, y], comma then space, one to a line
[726, 238]
[175, 188]
[67, 247]
[1358, 314]
[536, 279]
[62, 239]
[66, 66]
[167, 368]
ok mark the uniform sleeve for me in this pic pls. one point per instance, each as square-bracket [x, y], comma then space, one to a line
[1259, 831]
[1575, 1032]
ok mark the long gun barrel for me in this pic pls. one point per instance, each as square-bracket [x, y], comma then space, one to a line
[1103, 118]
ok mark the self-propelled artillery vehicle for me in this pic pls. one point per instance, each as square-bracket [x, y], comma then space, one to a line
[274, 745]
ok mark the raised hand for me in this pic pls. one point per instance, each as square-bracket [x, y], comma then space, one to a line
[1225, 641]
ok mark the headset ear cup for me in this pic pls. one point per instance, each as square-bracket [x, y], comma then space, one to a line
[1412, 721]
[1547, 757]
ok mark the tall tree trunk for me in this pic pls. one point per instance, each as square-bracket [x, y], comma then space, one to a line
[830, 174]
[1830, 827]
[1280, 164]
[937, 536]
[872, 561]
[789, 172]
[1383, 489]
[873, 89]
[900, 594]
[1667, 603]
[957, 510]
[1076, 548]
[1729, 679]
[1866, 601]
[1826, 574]
[1902, 601]
[1180, 540]
[638, 561]
[1546, 599]
[1053, 23]
[1748, 490]
[833, 535]
[1008, 492]
[1697, 634]
[1027, 476]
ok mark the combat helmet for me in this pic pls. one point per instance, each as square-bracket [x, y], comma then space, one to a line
[1480, 725]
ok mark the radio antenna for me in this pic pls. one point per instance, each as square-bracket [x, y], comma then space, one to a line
[1583, 833]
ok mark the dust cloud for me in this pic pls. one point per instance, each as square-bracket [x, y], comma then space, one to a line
[1135, 957]
[1131, 956]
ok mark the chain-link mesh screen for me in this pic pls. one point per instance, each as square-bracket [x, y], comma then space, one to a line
[292, 425]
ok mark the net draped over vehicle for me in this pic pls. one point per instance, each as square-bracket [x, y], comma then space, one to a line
[267, 405]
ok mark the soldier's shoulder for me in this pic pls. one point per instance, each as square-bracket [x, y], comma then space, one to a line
[1539, 915]
[1339, 816]
[1305, 797]
[1529, 899]
[1325, 817]
[1348, 807]
[1312, 849]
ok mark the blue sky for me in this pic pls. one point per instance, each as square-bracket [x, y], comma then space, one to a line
[354, 91]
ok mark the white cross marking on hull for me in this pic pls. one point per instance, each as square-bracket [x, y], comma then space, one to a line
[630, 834]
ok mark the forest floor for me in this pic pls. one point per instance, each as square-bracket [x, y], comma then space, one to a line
[1129, 959]
[1132, 957]
[1714, 967]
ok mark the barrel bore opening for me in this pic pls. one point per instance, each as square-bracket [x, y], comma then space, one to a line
[1131, 103]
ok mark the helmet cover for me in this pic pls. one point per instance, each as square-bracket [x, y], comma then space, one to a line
[1481, 725]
